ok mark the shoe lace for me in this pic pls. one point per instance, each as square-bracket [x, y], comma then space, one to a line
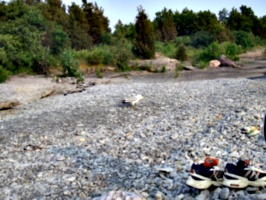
[216, 171]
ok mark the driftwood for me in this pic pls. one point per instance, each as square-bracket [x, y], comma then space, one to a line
[227, 62]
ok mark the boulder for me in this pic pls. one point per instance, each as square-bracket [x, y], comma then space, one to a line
[8, 104]
[227, 62]
[214, 63]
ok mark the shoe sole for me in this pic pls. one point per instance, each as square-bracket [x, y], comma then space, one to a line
[234, 181]
[200, 182]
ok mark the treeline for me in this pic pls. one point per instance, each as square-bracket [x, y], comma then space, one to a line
[36, 35]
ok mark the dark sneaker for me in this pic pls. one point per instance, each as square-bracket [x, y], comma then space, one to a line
[243, 174]
[203, 175]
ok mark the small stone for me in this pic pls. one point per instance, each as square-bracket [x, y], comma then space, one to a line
[225, 192]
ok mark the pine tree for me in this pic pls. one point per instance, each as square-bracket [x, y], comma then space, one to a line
[144, 45]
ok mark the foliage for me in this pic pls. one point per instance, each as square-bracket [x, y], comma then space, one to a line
[144, 44]
[213, 51]
[181, 53]
[179, 68]
[97, 22]
[185, 40]
[186, 22]
[245, 39]
[163, 69]
[164, 25]
[206, 20]
[168, 49]
[4, 74]
[99, 73]
[201, 39]
[70, 66]
[232, 50]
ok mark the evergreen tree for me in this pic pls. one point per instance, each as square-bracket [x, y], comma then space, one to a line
[144, 45]
[165, 25]
[186, 22]
[97, 22]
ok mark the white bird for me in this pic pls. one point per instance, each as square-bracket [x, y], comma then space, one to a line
[133, 100]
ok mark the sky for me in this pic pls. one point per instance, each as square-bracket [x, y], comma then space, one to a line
[126, 10]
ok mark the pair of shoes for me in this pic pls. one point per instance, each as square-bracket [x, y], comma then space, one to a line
[241, 175]
[203, 175]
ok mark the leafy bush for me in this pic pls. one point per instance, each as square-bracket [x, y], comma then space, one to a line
[202, 39]
[70, 66]
[232, 50]
[168, 49]
[181, 53]
[213, 51]
[185, 40]
[99, 73]
[163, 69]
[203, 64]
[245, 39]
[4, 74]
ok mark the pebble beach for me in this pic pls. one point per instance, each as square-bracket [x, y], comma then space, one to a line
[89, 146]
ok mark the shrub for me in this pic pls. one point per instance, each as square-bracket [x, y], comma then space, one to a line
[163, 69]
[245, 39]
[4, 74]
[168, 49]
[185, 40]
[99, 73]
[232, 50]
[181, 53]
[203, 64]
[178, 68]
[70, 66]
[213, 51]
[202, 39]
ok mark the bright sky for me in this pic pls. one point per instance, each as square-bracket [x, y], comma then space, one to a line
[126, 10]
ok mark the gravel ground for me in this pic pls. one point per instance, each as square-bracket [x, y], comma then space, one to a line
[84, 145]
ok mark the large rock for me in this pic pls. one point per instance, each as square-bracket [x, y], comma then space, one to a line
[214, 63]
[227, 62]
[7, 104]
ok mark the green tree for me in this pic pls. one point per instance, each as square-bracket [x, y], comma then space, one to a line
[223, 16]
[78, 28]
[206, 20]
[186, 22]
[55, 10]
[144, 44]
[164, 25]
[98, 23]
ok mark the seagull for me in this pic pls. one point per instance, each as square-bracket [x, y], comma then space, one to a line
[133, 100]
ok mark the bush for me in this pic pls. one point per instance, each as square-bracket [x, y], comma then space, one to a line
[167, 49]
[99, 73]
[163, 69]
[181, 53]
[70, 66]
[202, 39]
[4, 74]
[245, 39]
[213, 51]
[232, 50]
[185, 40]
